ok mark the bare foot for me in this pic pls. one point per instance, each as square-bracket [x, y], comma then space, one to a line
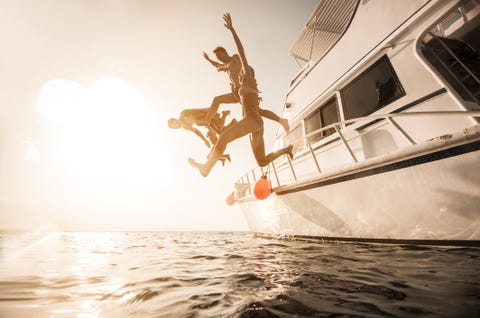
[223, 158]
[290, 151]
[197, 165]
[193, 163]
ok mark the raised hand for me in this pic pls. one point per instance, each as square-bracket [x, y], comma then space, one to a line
[228, 21]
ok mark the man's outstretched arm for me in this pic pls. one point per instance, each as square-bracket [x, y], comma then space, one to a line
[217, 65]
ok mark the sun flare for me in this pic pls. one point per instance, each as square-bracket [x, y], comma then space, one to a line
[107, 135]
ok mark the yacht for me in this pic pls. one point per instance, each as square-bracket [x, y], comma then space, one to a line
[384, 118]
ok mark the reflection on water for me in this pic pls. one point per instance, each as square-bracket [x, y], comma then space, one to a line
[230, 275]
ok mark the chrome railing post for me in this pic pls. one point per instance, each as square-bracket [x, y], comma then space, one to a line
[345, 143]
[337, 126]
[314, 157]
[249, 186]
[291, 167]
[400, 129]
[275, 172]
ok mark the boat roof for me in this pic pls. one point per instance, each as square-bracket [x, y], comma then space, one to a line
[323, 29]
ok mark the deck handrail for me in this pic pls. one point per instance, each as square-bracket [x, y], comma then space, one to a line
[341, 126]
[471, 113]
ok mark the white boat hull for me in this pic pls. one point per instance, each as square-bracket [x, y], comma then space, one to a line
[423, 198]
[377, 159]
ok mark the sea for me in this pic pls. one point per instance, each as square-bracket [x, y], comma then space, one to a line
[230, 274]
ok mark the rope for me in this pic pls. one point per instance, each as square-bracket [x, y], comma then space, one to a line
[267, 175]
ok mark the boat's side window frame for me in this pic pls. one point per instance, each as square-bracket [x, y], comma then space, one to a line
[451, 49]
[324, 115]
[376, 87]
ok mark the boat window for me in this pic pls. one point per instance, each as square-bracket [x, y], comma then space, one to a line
[452, 48]
[375, 88]
[323, 116]
[295, 138]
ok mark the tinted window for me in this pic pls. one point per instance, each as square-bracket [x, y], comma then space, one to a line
[452, 48]
[375, 88]
[323, 116]
[312, 123]
[329, 115]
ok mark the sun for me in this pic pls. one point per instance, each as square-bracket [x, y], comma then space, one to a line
[107, 134]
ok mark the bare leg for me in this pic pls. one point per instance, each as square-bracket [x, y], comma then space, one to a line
[225, 113]
[272, 116]
[224, 157]
[285, 125]
[221, 99]
[231, 123]
[212, 136]
[243, 127]
[219, 131]
[258, 147]
[213, 139]
[217, 123]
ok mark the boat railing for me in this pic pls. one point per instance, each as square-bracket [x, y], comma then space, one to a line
[245, 184]
[457, 66]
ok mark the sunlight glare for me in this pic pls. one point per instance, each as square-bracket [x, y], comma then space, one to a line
[108, 137]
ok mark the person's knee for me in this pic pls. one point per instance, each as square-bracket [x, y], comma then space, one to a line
[224, 99]
[263, 161]
[218, 99]
[221, 143]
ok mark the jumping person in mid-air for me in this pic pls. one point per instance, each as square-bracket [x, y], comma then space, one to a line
[233, 66]
[251, 124]
[189, 118]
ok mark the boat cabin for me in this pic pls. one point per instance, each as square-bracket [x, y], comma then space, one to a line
[372, 60]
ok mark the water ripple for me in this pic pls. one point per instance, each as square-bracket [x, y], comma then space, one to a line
[235, 275]
[144, 295]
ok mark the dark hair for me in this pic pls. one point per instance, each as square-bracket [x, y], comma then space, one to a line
[220, 49]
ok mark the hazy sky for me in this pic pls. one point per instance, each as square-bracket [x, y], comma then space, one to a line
[86, 88]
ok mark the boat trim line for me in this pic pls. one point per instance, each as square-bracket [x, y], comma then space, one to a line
[430, 242]
[438, 155]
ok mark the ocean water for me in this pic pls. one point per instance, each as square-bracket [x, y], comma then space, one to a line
[212, 274]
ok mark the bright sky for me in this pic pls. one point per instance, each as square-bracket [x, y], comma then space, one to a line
[86, 88]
